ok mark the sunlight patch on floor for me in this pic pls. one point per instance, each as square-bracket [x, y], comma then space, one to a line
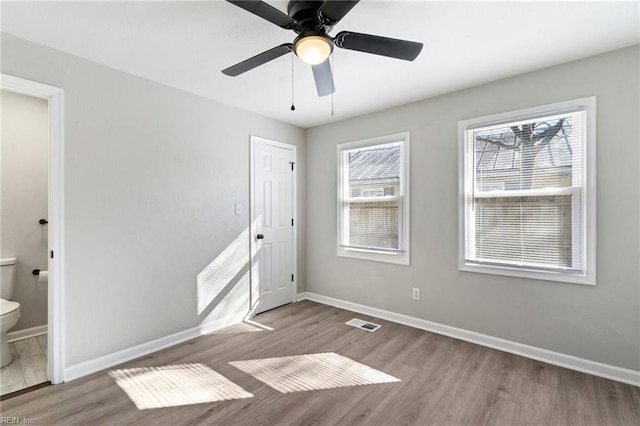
[311, 372]
[243, 327]
[257, 324]
[175, 385]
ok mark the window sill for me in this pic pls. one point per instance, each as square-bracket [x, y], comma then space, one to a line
[401, 258]
[528, 273]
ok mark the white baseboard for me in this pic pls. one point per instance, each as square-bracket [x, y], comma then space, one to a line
[631, 377]
[27, 333]
[107, 361]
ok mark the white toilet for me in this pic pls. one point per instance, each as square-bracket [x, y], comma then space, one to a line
[9, 311]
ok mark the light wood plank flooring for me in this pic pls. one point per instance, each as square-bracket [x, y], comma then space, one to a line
[29, 365]
[444, 382]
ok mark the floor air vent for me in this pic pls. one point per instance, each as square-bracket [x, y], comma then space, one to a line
[364, 325]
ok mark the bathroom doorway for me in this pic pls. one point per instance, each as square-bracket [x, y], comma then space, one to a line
[32, 231]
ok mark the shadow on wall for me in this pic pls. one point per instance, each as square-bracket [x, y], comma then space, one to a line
[223, 289]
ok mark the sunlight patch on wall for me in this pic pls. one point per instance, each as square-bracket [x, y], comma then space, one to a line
[311, 372]
[229, 310]
[222, 270]
[255, 283]
[176, 385]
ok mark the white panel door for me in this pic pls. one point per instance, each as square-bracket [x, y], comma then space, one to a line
[272, 226]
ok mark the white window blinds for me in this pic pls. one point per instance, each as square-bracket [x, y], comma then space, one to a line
[372, 197]
[372, 200]
[524, 197]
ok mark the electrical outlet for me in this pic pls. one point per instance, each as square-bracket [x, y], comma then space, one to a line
[416, 294]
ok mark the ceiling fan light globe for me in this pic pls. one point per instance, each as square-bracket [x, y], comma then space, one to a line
[313, 50]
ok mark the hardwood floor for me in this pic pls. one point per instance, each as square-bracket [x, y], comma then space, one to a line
[444, 382]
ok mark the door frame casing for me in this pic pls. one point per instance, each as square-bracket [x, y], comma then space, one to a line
[56, 233]
[253, 140]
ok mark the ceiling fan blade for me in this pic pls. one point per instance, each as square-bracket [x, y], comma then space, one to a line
[259, 59]
[324, 78]
[265, 11]
[378, 45]
[332, 11]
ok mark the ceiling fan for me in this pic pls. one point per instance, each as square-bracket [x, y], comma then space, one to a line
[312, 21]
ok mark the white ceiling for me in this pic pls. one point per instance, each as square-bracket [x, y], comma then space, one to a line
[186, 44]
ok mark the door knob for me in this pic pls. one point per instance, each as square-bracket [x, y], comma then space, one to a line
[260, 236]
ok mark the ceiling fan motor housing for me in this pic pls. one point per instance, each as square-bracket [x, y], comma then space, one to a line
[305, 14]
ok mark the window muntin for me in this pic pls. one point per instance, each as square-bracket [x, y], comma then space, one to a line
[373, 220]
[525, 193]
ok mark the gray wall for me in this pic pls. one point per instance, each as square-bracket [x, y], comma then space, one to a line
[24, 199]
[151, 178]
[599, 323]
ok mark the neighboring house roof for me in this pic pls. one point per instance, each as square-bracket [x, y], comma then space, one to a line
[502, 155]
[375, 164]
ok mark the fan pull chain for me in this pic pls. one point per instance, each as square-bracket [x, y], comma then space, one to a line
[293, 107]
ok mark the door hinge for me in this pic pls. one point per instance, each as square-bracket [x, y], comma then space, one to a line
[292, 222]
[291, 277]
[52, 254]
[292, 163]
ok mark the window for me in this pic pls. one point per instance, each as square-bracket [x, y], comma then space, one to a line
[373, 199]
[527, 202]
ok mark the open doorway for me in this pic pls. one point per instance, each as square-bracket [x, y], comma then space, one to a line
[31, 219]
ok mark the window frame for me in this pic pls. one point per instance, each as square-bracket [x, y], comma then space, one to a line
[586, 198]
[401, 256]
